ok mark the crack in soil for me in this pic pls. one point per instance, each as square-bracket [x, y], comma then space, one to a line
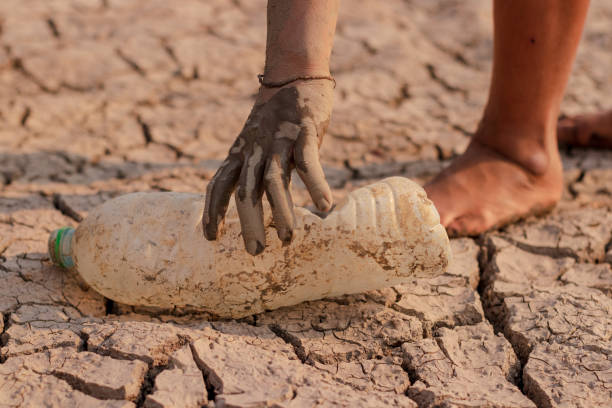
[17, 65]
[130, 62]
[146, 130]
[84, 346]
[454, 54]
[291, 340]
[110, 307]
[53, 28]
[149, 383]
[3, 337]
[25, 116]
[210, 378]
[485, 255]
[62, 206]
[433, 74]
[556, 252]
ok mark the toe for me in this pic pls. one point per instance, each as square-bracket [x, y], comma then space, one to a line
[473, 224]
[465, 226]
[593, 130]
[442, 199]
[567, 131]
[574, 131]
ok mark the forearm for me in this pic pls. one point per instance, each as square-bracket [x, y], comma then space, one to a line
[300, 37]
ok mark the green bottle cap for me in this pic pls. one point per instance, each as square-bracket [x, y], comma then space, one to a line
[60, 247]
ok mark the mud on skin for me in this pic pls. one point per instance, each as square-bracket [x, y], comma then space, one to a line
[280, 134]
[382, 53]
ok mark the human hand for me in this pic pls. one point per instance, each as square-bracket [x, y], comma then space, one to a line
[281, 133]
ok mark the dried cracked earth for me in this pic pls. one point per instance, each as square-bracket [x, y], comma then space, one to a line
[104, 97]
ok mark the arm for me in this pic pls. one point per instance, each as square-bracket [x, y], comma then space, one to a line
[284, 129]
[300, 38]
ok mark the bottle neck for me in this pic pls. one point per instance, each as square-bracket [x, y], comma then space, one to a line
[60, 247]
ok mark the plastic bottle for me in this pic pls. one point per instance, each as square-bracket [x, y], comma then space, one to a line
[148, 249]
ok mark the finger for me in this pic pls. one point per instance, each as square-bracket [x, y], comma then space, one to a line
[248, 202]
[277, 176]
[218, 193]
[306, 154]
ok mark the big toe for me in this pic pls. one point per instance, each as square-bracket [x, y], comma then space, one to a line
[467, 225]
[442, 202]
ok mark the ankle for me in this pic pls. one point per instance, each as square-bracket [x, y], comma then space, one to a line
[531, 146]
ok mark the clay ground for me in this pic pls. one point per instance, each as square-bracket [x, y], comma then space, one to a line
[104, 97]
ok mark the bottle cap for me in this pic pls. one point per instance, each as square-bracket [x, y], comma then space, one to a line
[60, 247]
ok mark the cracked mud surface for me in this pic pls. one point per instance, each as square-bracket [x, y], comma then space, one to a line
[103, 97]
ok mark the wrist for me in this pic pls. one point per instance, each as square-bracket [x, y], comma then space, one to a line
[277, 71]
[269, 89]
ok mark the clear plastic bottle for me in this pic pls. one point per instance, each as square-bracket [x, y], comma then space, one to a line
[148, 249]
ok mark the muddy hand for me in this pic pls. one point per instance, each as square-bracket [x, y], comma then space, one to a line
[282, 133]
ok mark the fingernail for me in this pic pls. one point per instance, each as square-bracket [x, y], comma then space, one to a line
[254, 247]
[286, 236]
[210, 231]
[323, 204]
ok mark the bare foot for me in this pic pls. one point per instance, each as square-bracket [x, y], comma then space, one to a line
[593, 130]
[482, 190]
